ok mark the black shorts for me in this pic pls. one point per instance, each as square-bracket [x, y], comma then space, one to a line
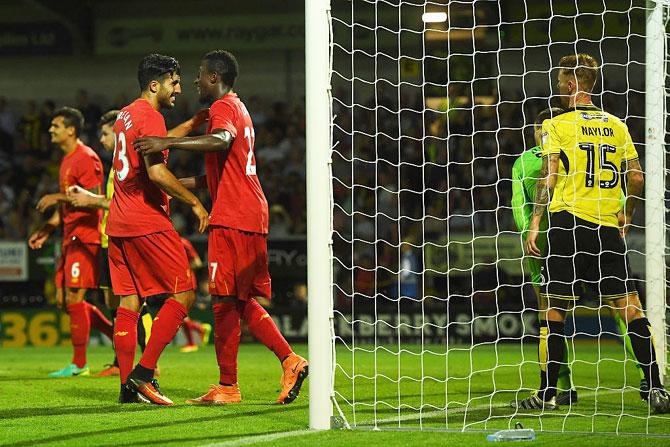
[582, 252]
[105, 280]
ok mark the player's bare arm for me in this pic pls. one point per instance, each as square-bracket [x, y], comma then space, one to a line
[195, 182]
[218, 140]
[634, 187]
[543, 193]
[49, 200]
[83, 198]
[190, 125]
[161, 176]
[39, 237]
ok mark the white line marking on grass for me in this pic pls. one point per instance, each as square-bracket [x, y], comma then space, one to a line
[260, 438]
[430, 414]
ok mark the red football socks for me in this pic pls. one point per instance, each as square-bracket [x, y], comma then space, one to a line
[226, 340]
[125, 340]
[264, 328]
[80, 329]
[99, 321]
[165, 326]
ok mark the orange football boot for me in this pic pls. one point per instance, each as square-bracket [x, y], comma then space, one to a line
[219, 395]
[295, 372]
[188, 348]
[111, 370]
[149, 390]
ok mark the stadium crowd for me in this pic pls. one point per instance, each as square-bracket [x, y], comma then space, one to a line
[29, 164]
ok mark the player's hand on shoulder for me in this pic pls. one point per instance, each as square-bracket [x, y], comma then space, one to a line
[202, 215]
[149, 145]
[200, 117]
[46, 202]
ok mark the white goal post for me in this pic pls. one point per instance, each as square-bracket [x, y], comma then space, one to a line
[385, 392]
[655, 211]
[319, 214]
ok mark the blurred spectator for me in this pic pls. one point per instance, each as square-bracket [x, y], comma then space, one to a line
[30, 129]
[7, 118]
[91, 114]
[257, 111]
[278, 121]
[119, 102]
[409, 275]
[280, 221]
[48, 108]
[299, 301]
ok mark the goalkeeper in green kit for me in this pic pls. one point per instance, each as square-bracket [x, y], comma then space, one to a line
[525, 172]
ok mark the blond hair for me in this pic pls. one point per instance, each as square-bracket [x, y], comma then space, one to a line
[583, 67]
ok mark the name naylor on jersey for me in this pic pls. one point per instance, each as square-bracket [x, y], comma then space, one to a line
[597, 131]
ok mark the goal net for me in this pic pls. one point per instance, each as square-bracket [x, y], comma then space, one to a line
[434, 319]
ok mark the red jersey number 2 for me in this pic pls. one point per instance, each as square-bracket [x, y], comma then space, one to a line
[250, 136]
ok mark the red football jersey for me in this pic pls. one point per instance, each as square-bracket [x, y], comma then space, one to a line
[139, 206]
[237, 197]
[81, 167]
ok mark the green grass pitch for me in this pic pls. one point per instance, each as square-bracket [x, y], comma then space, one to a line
[36, 410]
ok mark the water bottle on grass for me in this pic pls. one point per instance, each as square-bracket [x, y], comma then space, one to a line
[517, 434]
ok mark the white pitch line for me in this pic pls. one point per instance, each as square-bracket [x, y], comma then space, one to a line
[260, 438]
[430, 414]
[273, 436]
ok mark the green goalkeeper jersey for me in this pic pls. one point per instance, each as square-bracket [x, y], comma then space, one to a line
[525, 172]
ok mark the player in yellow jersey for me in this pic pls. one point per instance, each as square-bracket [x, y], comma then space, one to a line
[587, 155]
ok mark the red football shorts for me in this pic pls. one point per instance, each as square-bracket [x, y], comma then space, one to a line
[149, 265]
[238, 263]
[78, 266]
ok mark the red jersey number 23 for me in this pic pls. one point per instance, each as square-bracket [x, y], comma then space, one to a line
[120, 149]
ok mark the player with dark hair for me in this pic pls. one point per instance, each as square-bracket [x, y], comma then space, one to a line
[237, 250]
[585, 150]
[145, 252]
[77, 269]
[82, 198]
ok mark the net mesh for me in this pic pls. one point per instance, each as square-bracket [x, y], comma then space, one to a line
[435, 321]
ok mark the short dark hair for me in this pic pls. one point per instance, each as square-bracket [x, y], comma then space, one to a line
[71, 118]
[583, 67]
[547, 113]
[154, 67]
[224, 64]
[109, 117]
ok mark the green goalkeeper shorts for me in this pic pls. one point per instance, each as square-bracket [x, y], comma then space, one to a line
[536, 265]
